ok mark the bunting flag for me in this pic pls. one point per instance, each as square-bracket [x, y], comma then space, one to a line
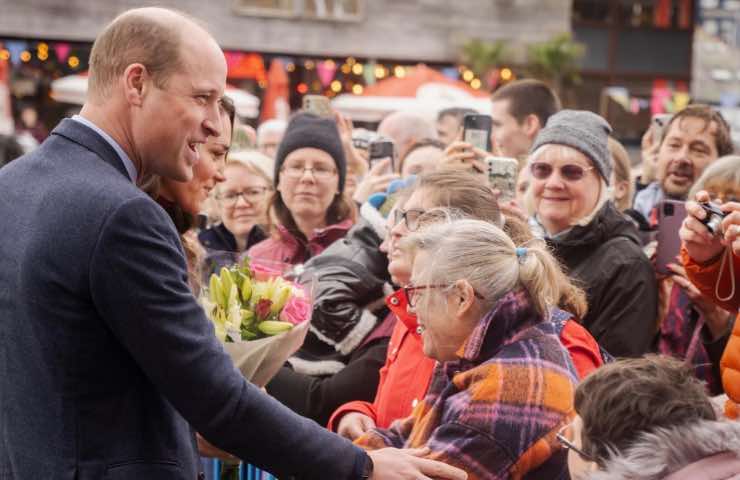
[16, 47]
[326, 70]
[62, 50]
[233, 59]
[369, 73]
[452, 73]
[6, 117]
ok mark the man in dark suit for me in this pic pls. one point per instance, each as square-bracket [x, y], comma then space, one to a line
[106, 359]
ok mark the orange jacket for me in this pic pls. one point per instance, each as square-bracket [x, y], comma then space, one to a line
[405, 377]
[704, 277]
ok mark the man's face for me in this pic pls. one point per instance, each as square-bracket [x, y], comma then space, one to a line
[447, 129]
[173, 121]
[687, 149]
[507, 133]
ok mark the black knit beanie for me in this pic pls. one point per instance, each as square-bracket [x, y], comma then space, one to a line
[307, 130]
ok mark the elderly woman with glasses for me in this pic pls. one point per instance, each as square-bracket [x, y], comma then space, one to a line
[503, 384]
[242, 204]
[309, 210]
[570, 170]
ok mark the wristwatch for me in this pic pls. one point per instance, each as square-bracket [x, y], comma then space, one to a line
[367, 472]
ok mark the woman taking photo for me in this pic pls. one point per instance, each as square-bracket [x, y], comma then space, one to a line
[503, 384]
[242, 205]
[308, 210]
[570, 170]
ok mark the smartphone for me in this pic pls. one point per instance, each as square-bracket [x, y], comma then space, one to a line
[659, 123]
[671, 214]
[477, 130]
[502, 175]
[318, 105]
[380, 150]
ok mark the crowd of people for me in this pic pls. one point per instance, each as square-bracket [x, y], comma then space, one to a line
[457, 330]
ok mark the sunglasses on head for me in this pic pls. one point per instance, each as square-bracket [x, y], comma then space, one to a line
[569, 172]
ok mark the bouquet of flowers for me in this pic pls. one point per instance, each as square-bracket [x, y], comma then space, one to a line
[261, 317]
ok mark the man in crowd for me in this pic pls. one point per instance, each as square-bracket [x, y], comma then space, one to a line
[108, 361]
[694, 138]
[449, 122]
[648, 418]
[405, 129]
[269, 135]
[519, 110]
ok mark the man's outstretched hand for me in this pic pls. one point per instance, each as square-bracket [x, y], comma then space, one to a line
[395, 464]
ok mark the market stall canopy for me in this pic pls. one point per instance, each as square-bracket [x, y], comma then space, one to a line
[73, 89]
[423, 90]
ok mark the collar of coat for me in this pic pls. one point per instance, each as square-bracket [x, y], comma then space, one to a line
[511, 315]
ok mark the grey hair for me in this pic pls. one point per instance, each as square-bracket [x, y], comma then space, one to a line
[726, 168]
[483, 255]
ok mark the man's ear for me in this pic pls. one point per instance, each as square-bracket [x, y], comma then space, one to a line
[532, 125]
[135, 83]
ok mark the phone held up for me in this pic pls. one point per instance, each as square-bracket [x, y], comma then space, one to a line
[477, 131]
[671, 214]
[380, 150]
[318, 105]
[659, 123]
[502, 175]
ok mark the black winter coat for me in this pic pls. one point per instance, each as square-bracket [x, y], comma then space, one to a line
[336, 364]
[605, 258]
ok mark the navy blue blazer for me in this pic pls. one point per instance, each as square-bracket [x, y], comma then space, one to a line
[106, 359]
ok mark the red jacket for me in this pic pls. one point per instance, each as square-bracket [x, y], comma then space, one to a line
[405, 377]
[704, 277]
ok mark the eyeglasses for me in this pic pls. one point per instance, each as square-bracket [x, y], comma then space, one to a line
[319, 172]
[570, 172]
[412, 293]
[565, 437]
[411, 217]
[250, 195]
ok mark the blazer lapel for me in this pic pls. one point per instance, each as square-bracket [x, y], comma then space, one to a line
[83, 135]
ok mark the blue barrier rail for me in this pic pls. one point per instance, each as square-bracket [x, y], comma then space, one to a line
[212, 468]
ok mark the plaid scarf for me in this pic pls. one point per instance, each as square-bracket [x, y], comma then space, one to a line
[495, 411]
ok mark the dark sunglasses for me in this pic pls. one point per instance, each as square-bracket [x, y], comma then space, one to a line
[570, 172]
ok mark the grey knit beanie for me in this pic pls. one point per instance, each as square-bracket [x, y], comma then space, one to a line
[585, 131]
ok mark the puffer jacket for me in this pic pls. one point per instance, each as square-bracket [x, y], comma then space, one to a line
[351, 277]
[605, 258]
[706, 450]
[704, 277]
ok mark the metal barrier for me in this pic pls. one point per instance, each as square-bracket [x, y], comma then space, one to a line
[212, 468]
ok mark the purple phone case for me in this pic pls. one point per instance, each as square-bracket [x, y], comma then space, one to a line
[669, 243]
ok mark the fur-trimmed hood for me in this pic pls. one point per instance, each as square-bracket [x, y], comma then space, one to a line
[665, 452]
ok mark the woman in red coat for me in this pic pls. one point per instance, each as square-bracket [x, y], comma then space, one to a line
[712, 264]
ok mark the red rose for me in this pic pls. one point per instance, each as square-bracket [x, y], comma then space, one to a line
[262, 309]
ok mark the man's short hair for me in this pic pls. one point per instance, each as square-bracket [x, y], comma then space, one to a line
[457, 112]
[624, 399]
[528, 97]
[134, 38]
[722, 140]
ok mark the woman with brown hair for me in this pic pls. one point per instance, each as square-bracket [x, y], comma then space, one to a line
[308, 210]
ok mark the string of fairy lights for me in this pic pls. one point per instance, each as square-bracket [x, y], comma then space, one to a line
[328, 76]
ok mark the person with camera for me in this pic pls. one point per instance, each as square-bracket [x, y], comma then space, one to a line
[692, 327]
[711, 256]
